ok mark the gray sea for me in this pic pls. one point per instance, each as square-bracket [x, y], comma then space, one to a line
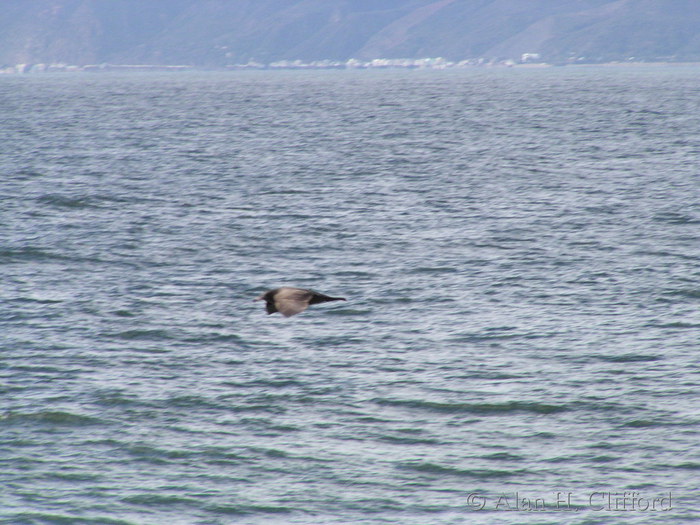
[520, 251]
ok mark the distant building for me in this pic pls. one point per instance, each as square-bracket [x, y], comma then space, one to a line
[529, 57]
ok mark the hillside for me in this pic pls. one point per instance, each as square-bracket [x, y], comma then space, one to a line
[215, 33]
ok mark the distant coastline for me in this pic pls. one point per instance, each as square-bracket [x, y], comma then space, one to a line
[436, 64]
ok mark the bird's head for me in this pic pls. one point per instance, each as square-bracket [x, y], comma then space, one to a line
[265, 296]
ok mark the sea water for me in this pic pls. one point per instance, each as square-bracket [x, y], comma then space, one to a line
[520, 254]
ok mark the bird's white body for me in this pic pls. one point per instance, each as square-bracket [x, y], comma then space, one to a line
[290, 301]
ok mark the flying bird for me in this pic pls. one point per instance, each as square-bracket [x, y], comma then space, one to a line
[291, 301]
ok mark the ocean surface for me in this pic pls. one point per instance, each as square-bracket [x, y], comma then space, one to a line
[520, 251]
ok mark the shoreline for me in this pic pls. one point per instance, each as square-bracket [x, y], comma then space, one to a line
[38, 69]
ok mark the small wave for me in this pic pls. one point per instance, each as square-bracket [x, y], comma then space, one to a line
[677, 255]
[151, 350]
[124, 313]
[475, 338]
[690, 293]
[114, 399]
[288, 216]
[544, 435]
[334, 341]
[50, 418]
[142, 335]
[405, 440]
[675, 218]
[271, 408]
[38, 300]
[435, 269]
[627, 358]
[492, 376]
[223, 458]
[248, 509]
[343, 312]
[28, 253]
[156, 500]
[475, 408]
[678, 296]
[499, 333]
[642, 423]
[43, 518]
[688, 466]
[192, 401]
[24, 174]
[274, 383]
[432, 468]
[678, 324]
[285, 192]
[42, 369]
[63, 201]
[157, 455]
[214, 337]
[604, 459]
[399, 300]
[394, 134]
[353, 273]
[502, 456]
[25, 254]
[73, 476]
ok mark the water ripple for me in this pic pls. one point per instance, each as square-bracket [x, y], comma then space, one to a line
[519, 250]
